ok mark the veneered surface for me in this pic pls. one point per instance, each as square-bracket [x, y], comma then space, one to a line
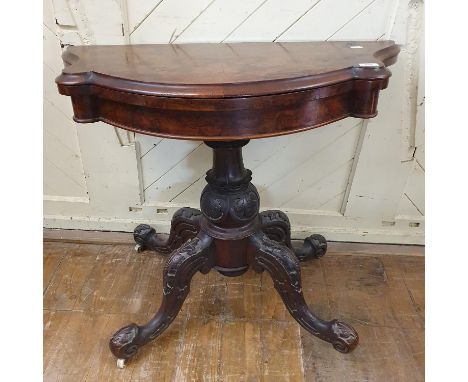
[226, 92]
[224, 70]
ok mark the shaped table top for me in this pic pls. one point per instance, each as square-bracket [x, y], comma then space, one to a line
[225, 91]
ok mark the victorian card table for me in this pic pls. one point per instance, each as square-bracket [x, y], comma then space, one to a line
[225, 95]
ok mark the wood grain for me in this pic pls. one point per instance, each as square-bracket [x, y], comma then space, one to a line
[225, 92]
[223, 70]
[231, 329]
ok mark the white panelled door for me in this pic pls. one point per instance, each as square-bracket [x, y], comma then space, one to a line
[353, 180]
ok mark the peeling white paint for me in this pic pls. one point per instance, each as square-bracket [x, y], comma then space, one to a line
[348, 177]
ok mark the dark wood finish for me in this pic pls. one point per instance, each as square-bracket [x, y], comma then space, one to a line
[234, 329]
[283, 266]
[184, 262]
[225, 95]
[275, 224]
[225, 91]
[231, 237]
[345, 248]
[184, 226]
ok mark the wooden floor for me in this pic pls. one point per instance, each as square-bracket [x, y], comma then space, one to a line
[231, 329]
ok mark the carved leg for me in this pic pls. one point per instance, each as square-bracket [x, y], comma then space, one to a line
[193, 256]
[275, 224]
[184, 226]
[284, 269]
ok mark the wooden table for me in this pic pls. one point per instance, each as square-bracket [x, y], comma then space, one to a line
[225, 95]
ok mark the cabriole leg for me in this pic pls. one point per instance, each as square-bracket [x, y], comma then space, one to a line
[193, 256]
[184, 226]
[275, 224]
[284, 268]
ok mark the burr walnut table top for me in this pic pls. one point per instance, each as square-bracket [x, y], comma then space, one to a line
[225, 91]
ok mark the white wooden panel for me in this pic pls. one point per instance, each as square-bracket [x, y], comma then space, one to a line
[323, 193]
[420, 103]
[82, 165]
[306, 173]
[147, 143]
[270, 19]
[419, 155]
[138, 11]
[63, 13]
[259, 150]
[89, 21]
[349, 180]
[407, 209]
[106, 28]
[65, 159]
[67, 28]
[48, 14]
[412, 201]
[52, 52]
[168, 20]
[375, 17]
[58, 182]
[61, 151]
[63, 171]
[112, 184]
[323, 20]
[181, 176]
[59, 127]
[218, 20]
[163, 158]
[297, 149]
[52, 97]
[380, 175]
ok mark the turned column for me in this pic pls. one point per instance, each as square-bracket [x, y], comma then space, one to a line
[229, 204]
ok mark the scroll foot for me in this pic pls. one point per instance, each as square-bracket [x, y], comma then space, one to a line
[184, 262]
[314, 247]
[275, 224]
[184, 226]
[283, 267]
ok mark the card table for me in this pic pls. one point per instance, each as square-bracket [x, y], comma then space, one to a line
[226, 95]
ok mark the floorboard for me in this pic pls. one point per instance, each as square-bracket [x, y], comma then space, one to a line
[231, 329]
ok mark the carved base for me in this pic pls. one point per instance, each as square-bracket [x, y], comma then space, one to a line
[183, 263]
[184, 226]
[275, 224]
[283, 266]
[230, 235]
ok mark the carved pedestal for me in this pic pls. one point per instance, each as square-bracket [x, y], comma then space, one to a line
[226, 94]
[230, 235]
